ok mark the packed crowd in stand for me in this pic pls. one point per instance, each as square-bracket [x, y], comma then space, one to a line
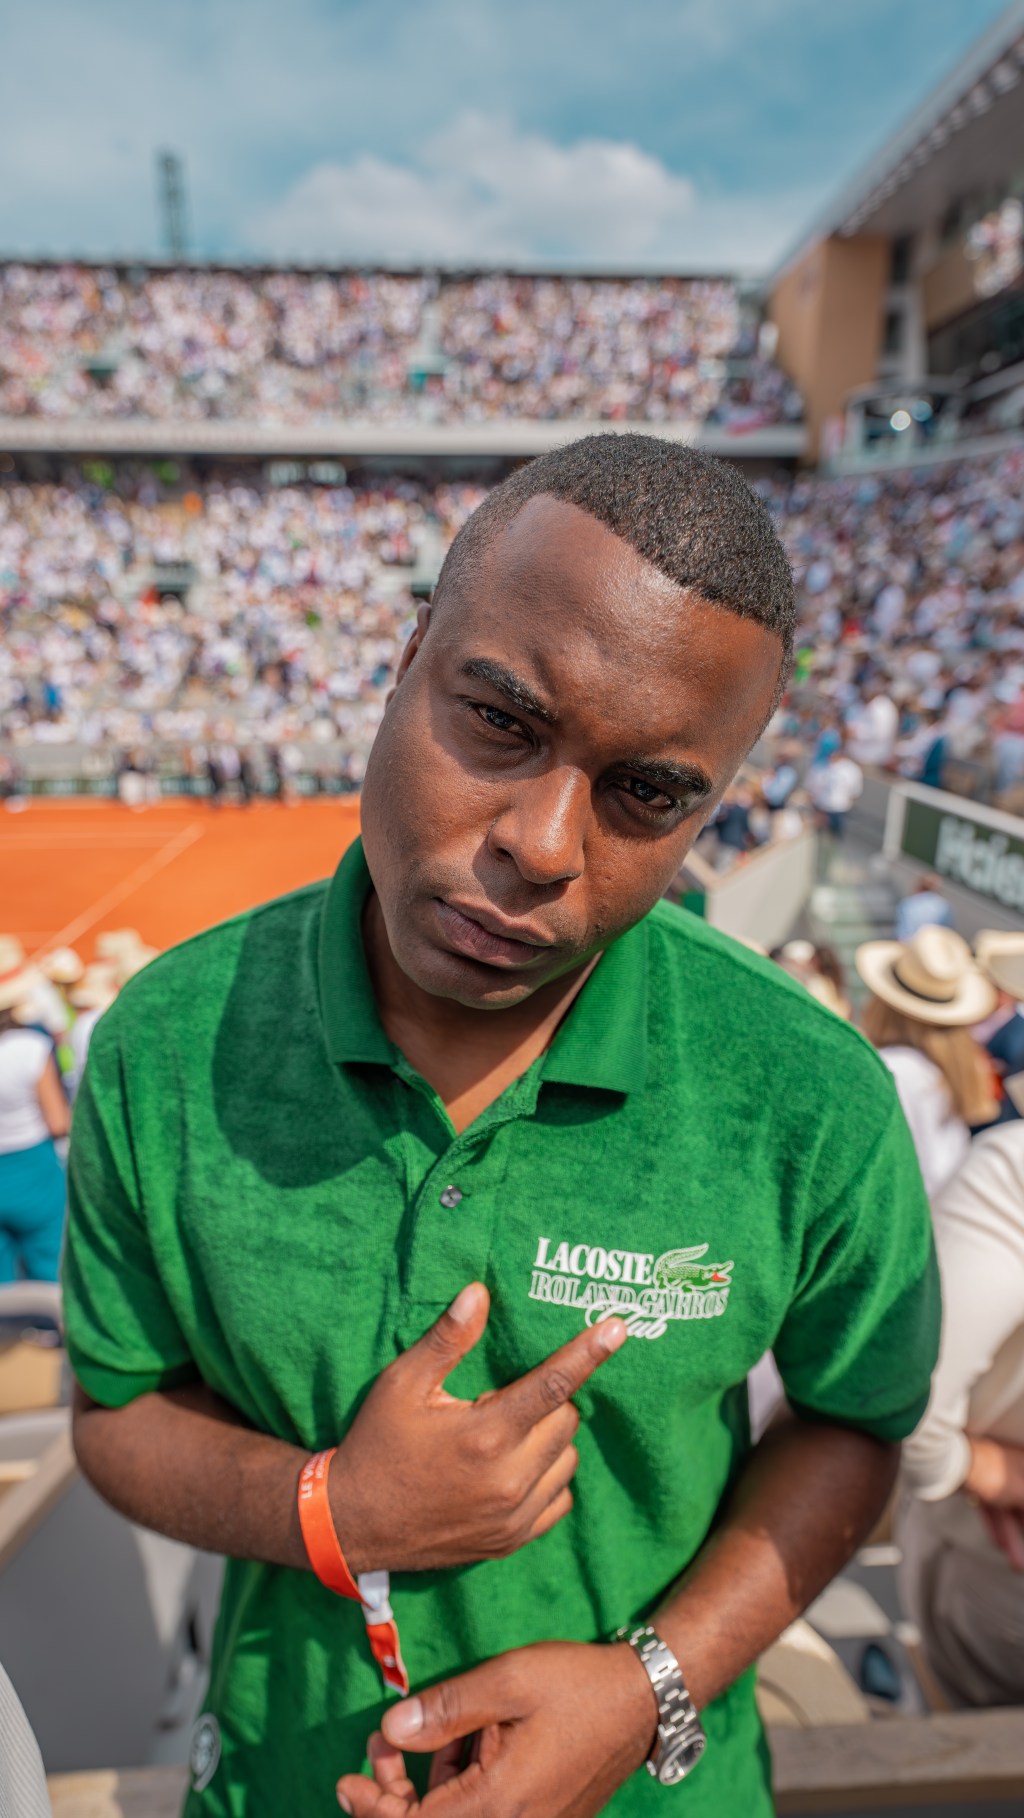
[293, 620]
[912, 628]
[295, 604]
[292, 347]
[645, 350]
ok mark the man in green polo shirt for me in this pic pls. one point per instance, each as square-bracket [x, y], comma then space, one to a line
[487, 1069]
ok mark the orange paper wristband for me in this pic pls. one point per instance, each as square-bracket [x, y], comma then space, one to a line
[318, 1531]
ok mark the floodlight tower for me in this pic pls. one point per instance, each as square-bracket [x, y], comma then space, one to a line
[170, 180]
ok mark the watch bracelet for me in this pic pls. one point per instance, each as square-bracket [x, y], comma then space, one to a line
[676, 1709]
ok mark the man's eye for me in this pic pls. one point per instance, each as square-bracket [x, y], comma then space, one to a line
[649, 796]
[497, 717]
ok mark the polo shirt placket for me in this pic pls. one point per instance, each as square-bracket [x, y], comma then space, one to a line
[454, 1209]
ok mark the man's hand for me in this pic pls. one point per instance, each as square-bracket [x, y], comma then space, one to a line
[551, 1730]
[996, 1480]
[423, 1481]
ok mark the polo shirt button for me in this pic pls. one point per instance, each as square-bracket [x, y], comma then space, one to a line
[451, 1197]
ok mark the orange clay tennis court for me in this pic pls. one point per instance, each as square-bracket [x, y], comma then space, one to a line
[71, 869]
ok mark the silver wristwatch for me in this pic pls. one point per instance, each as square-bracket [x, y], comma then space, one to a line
[680, 1741]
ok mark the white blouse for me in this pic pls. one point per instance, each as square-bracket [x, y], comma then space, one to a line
[941, 1138]
[23, 1057]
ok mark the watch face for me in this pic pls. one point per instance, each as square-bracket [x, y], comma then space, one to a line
[680, 1758]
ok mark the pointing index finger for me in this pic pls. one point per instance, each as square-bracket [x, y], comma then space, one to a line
[555, 1381]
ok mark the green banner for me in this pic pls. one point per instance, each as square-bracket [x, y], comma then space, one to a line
[983, 859]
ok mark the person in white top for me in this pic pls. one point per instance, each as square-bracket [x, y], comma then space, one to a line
[874, 728]
[33, 1112]
[961, 1520]
[834, 787]
[925, 994]
[94, 993]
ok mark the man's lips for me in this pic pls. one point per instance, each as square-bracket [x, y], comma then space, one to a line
[482, 935]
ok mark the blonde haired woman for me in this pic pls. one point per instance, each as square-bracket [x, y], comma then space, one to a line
[33, 1112]
[925, 995]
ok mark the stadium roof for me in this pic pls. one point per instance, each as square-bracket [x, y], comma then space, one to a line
[968, 132]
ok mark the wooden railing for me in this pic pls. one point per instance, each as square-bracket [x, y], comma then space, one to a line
[968, 1757]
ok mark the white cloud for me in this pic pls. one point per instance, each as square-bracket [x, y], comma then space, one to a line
[483, 190]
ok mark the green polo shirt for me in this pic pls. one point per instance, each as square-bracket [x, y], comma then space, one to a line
[266, 1195]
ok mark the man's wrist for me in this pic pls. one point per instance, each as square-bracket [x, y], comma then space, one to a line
[638, 1697]
[347, 1516]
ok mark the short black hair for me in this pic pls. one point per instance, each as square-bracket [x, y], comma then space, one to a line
[690, 515]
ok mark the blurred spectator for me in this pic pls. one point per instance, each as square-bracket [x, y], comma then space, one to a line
[62, 969]
[828, 982]
[961, 1523]
[819, 970]
[873, 726]
[1009, 746]
[94, 993]
[779, 782]
[834, 787]
[1001, 958]
[730, 833]
[10, 782]
[33, 1112]
[926, 994]
[925, 906]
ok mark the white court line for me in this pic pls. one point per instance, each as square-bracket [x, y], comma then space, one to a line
[91, 842]
[75, 804]
[141, 875]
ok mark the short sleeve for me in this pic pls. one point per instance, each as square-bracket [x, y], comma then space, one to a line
[979, 1231]
[122, 1335]
[861, 1335]
[33, 1049]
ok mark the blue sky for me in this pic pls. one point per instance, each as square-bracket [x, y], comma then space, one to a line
[682, 133]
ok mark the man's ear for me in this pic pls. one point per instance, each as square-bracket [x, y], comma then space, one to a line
[418, 634]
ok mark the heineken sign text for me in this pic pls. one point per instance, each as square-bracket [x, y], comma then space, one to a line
[983, 859]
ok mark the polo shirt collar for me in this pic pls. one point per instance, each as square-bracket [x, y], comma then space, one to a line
[352, 1028]
[603, 1039]
[601, 1043]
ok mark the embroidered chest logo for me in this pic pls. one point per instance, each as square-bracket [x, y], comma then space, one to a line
[647, 1291]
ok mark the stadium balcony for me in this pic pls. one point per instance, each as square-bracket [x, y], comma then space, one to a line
[352, 439]
[898, 425]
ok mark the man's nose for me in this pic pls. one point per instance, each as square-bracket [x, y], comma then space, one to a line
[544, 827]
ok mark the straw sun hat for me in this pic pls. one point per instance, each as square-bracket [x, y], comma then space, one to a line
[18, 980]
[932, 977]
[1001, 958]
[114, 941]
[125, 951]
[96, 989]
[62, 967]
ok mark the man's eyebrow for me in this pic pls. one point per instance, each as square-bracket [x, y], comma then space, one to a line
[678, 779]
[505, 681]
